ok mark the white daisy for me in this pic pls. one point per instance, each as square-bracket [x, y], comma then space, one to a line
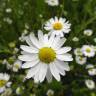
[58, 26]
[45, 57]
[50, 92]
[91, 69]
[88, 32]
[52, 2]
[88, 50]
[81, 60]
[90, 84]
[4, 78]
[78, 52]
[75, 39]
[17, 65]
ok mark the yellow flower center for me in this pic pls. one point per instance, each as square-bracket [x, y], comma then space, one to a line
[17, 66]
[57, 26]
[47, 55]
[2, 83]
[88, 50]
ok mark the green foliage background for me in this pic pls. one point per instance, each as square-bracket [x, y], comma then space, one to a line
[34, 13]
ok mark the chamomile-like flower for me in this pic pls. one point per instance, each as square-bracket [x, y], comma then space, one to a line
[88, 50]
[81, 60]
[52, 2]
[58, 26]
[78, 52]
[50, 92]
[45, 57]
[88, 32]
[17, 65]
[90, 84]
[91, 69]
[4, 78]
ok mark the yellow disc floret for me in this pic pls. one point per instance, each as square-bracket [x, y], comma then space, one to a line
[57, 26]
[2, 83]
[47, 55]
[88, 50]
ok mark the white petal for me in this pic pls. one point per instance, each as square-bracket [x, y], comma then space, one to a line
[29, 49]
[51, 39]
[60, 43]
[56, 19]
[28, 41]
[35, 41]
[60, 68]
[63, 65]
[46, 39]
[40, 36]
[54, 71]
[65, 57]
[63, 50]
[43, 71]
[30, 64]
[33, 71]
[36, 76]
[2, 89]
[28, 57]
[49, 75]
[54, 43]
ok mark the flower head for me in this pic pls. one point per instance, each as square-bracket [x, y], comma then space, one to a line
[88, 50]
[88, 32]
[91, 69]
[52, 2]
[81, 60]
[90, 84]
[4, 78]
[17, 65]
[45, 57]
[58, 26]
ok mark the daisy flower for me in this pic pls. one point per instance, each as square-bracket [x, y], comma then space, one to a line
[52, 2]
[78, 52]
[4, 78]
[88, 51]
[88, 32]
[81, 60]
[50, 92]
[17, 65]
[58, 26]
[91, 69]
[90, 84]
[45, 57]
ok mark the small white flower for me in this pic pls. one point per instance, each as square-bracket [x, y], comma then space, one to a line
[45, 57]
[58, 26]
[4, 78]
[88, 32]
[88, 50]
[18, 91]
[8, 20]
[90, 84]
[50, 92]
[94, 40]
[91, 69]
[81, 60]
[4, 61]
[52, 2]
[78, 52]
[7, 92]
[23, 36]
[17, 65]
[75, 39]
[8, 10]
